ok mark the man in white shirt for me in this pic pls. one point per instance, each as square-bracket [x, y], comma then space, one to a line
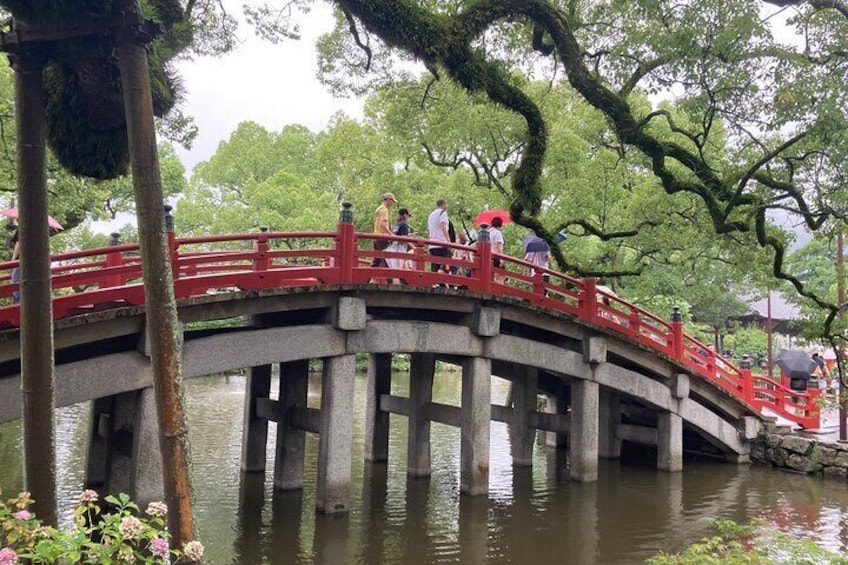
[437, 225]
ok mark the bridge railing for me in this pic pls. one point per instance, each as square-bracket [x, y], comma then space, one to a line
[89, 280]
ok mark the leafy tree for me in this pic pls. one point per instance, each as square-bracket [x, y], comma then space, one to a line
[779, 104]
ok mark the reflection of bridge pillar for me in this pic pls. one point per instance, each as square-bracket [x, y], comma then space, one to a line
[583, 431]
[291, 441]
[123, 449]
[332, 491]
[669, 442]
[476, 415]
[255, 430]
[522, 434]
[376, 420]
[609, 417]
[422, 368]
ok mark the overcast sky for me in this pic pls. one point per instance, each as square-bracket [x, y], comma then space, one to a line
[273, 85]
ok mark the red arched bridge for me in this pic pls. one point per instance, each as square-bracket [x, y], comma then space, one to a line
[94, 280]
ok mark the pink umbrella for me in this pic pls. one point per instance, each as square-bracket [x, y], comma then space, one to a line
[13, 214]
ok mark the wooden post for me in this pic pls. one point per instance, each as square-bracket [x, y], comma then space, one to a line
[36, 293]
[162, 324]
[346, 245]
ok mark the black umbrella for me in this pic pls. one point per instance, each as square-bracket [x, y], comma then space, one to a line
[798, 366]
[535, 244]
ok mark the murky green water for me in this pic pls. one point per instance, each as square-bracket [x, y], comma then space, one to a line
[531, 516]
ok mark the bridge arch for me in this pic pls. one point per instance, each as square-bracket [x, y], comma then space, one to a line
[535, 349]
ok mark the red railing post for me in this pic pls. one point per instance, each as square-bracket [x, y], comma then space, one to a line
[346, 245]
[172, 242]
[677, 335]
[113, 259]
[262, 261]
[747, 380]
[589, 299]
[484, 270]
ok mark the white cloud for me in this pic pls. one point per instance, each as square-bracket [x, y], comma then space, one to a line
[273, 85]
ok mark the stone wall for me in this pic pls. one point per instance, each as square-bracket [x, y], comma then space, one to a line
[802, 455]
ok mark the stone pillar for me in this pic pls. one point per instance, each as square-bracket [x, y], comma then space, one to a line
[288, 465]
[475, 421]
[583, 431]
[557, 403]
[609, 417]
[147, 473]
[332, 491]
[123, 449]
[254, 437]
[669, 442]
[421, 372]
[523, 405]
[377, 421]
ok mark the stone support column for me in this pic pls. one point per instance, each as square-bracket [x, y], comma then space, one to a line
[255, 429]
[475, 421]
[583, 431]
[334, 448]
[377, 421]
[609, 417]
[523, 405]
[669, 442]
[123, 449]
[557, 403]
[421, 374]
[291, 442]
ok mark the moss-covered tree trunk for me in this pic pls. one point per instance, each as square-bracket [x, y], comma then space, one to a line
[163, 330]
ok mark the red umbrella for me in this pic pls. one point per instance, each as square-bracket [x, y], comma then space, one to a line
[486, 217]
[13, 214]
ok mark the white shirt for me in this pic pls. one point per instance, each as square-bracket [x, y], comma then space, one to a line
[434, 221]
[495, 236]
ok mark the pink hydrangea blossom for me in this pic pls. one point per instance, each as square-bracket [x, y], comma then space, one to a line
[130, 527]
[8, 556]
[22, 515]
[159, 547]
[157, 509]
[88, 495]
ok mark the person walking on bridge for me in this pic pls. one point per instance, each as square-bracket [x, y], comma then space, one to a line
[437, 225]
[382, 227]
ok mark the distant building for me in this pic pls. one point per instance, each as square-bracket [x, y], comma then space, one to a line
[783, 314]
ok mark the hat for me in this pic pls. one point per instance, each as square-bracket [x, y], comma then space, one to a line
[403, 211]
[388, 195]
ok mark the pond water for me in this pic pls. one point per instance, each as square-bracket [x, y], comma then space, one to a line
[531, 516]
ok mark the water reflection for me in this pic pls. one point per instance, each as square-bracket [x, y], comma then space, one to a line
[533, 514]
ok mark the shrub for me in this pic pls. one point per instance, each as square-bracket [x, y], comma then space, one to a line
[111, 533]
[735, 544]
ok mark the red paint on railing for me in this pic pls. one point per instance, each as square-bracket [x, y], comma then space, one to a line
[111, 276]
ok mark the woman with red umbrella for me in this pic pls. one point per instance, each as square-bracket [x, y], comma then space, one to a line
[496, 219]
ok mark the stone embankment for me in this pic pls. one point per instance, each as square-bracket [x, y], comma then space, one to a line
[806, 455]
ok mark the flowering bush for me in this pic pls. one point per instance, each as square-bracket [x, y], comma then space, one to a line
[116, 533]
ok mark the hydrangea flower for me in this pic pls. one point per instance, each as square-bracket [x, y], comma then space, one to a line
[193, 550]
[157, 509]
[22, 515]
[88, 495]
[159, 547]
[8, 556]
[130, 527]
